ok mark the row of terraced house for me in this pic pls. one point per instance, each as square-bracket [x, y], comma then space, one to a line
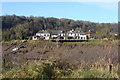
[58, 34]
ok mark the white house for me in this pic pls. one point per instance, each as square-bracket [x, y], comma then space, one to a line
[42, 34]
[76, 35]
[60, 34]
[57, 34]
[35, 37]
[83, 37]
[71, 34]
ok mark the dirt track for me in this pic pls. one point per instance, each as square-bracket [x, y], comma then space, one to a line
[71, 52]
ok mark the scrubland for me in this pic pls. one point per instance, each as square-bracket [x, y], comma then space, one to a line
[52, 60]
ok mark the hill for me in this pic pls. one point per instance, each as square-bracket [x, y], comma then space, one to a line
[21, 27]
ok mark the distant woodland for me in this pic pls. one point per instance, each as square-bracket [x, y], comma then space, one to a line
[22, 27]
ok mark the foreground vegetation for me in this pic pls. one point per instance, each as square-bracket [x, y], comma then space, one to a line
[54, 70]
[56, 67]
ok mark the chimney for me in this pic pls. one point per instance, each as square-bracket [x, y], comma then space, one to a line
[72, 30]
[89, 31]
[43, 30]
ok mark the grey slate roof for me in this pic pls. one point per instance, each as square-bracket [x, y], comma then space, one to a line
[82, 33]
[43, 32]
[76, 32]
[56, 32]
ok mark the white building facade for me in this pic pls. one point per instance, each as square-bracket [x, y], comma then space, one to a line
[76, 35]
[57, 34]
[42, 34]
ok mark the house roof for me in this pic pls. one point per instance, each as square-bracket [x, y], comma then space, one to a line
[42, 31]
[56, 32]
[82, 33]
[77, 32]
[36, 36]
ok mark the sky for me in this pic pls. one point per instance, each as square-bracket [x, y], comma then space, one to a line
[119, 11]
[59, 0]
[102, 12]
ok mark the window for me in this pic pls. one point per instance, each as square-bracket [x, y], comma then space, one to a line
[81, 37]
[84, 37]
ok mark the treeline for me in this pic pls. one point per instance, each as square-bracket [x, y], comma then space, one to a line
[22, 27]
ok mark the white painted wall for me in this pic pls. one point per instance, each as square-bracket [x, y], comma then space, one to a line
[71, 35]
[42, 34]
[54, 36]
[83, 37]
[47, 38]
[45, 35]
[61, 35]
[34, 38]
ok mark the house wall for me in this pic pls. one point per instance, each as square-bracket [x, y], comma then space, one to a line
[83, 37]
[71, 35]
[42, 34]
[45, 35]
[58, 35]
[34, 38]
[88, 35]
[54, 36]
[47, 38]
[38, 34]
[61, 35]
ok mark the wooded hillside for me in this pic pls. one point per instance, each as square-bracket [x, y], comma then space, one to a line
[21, 27]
